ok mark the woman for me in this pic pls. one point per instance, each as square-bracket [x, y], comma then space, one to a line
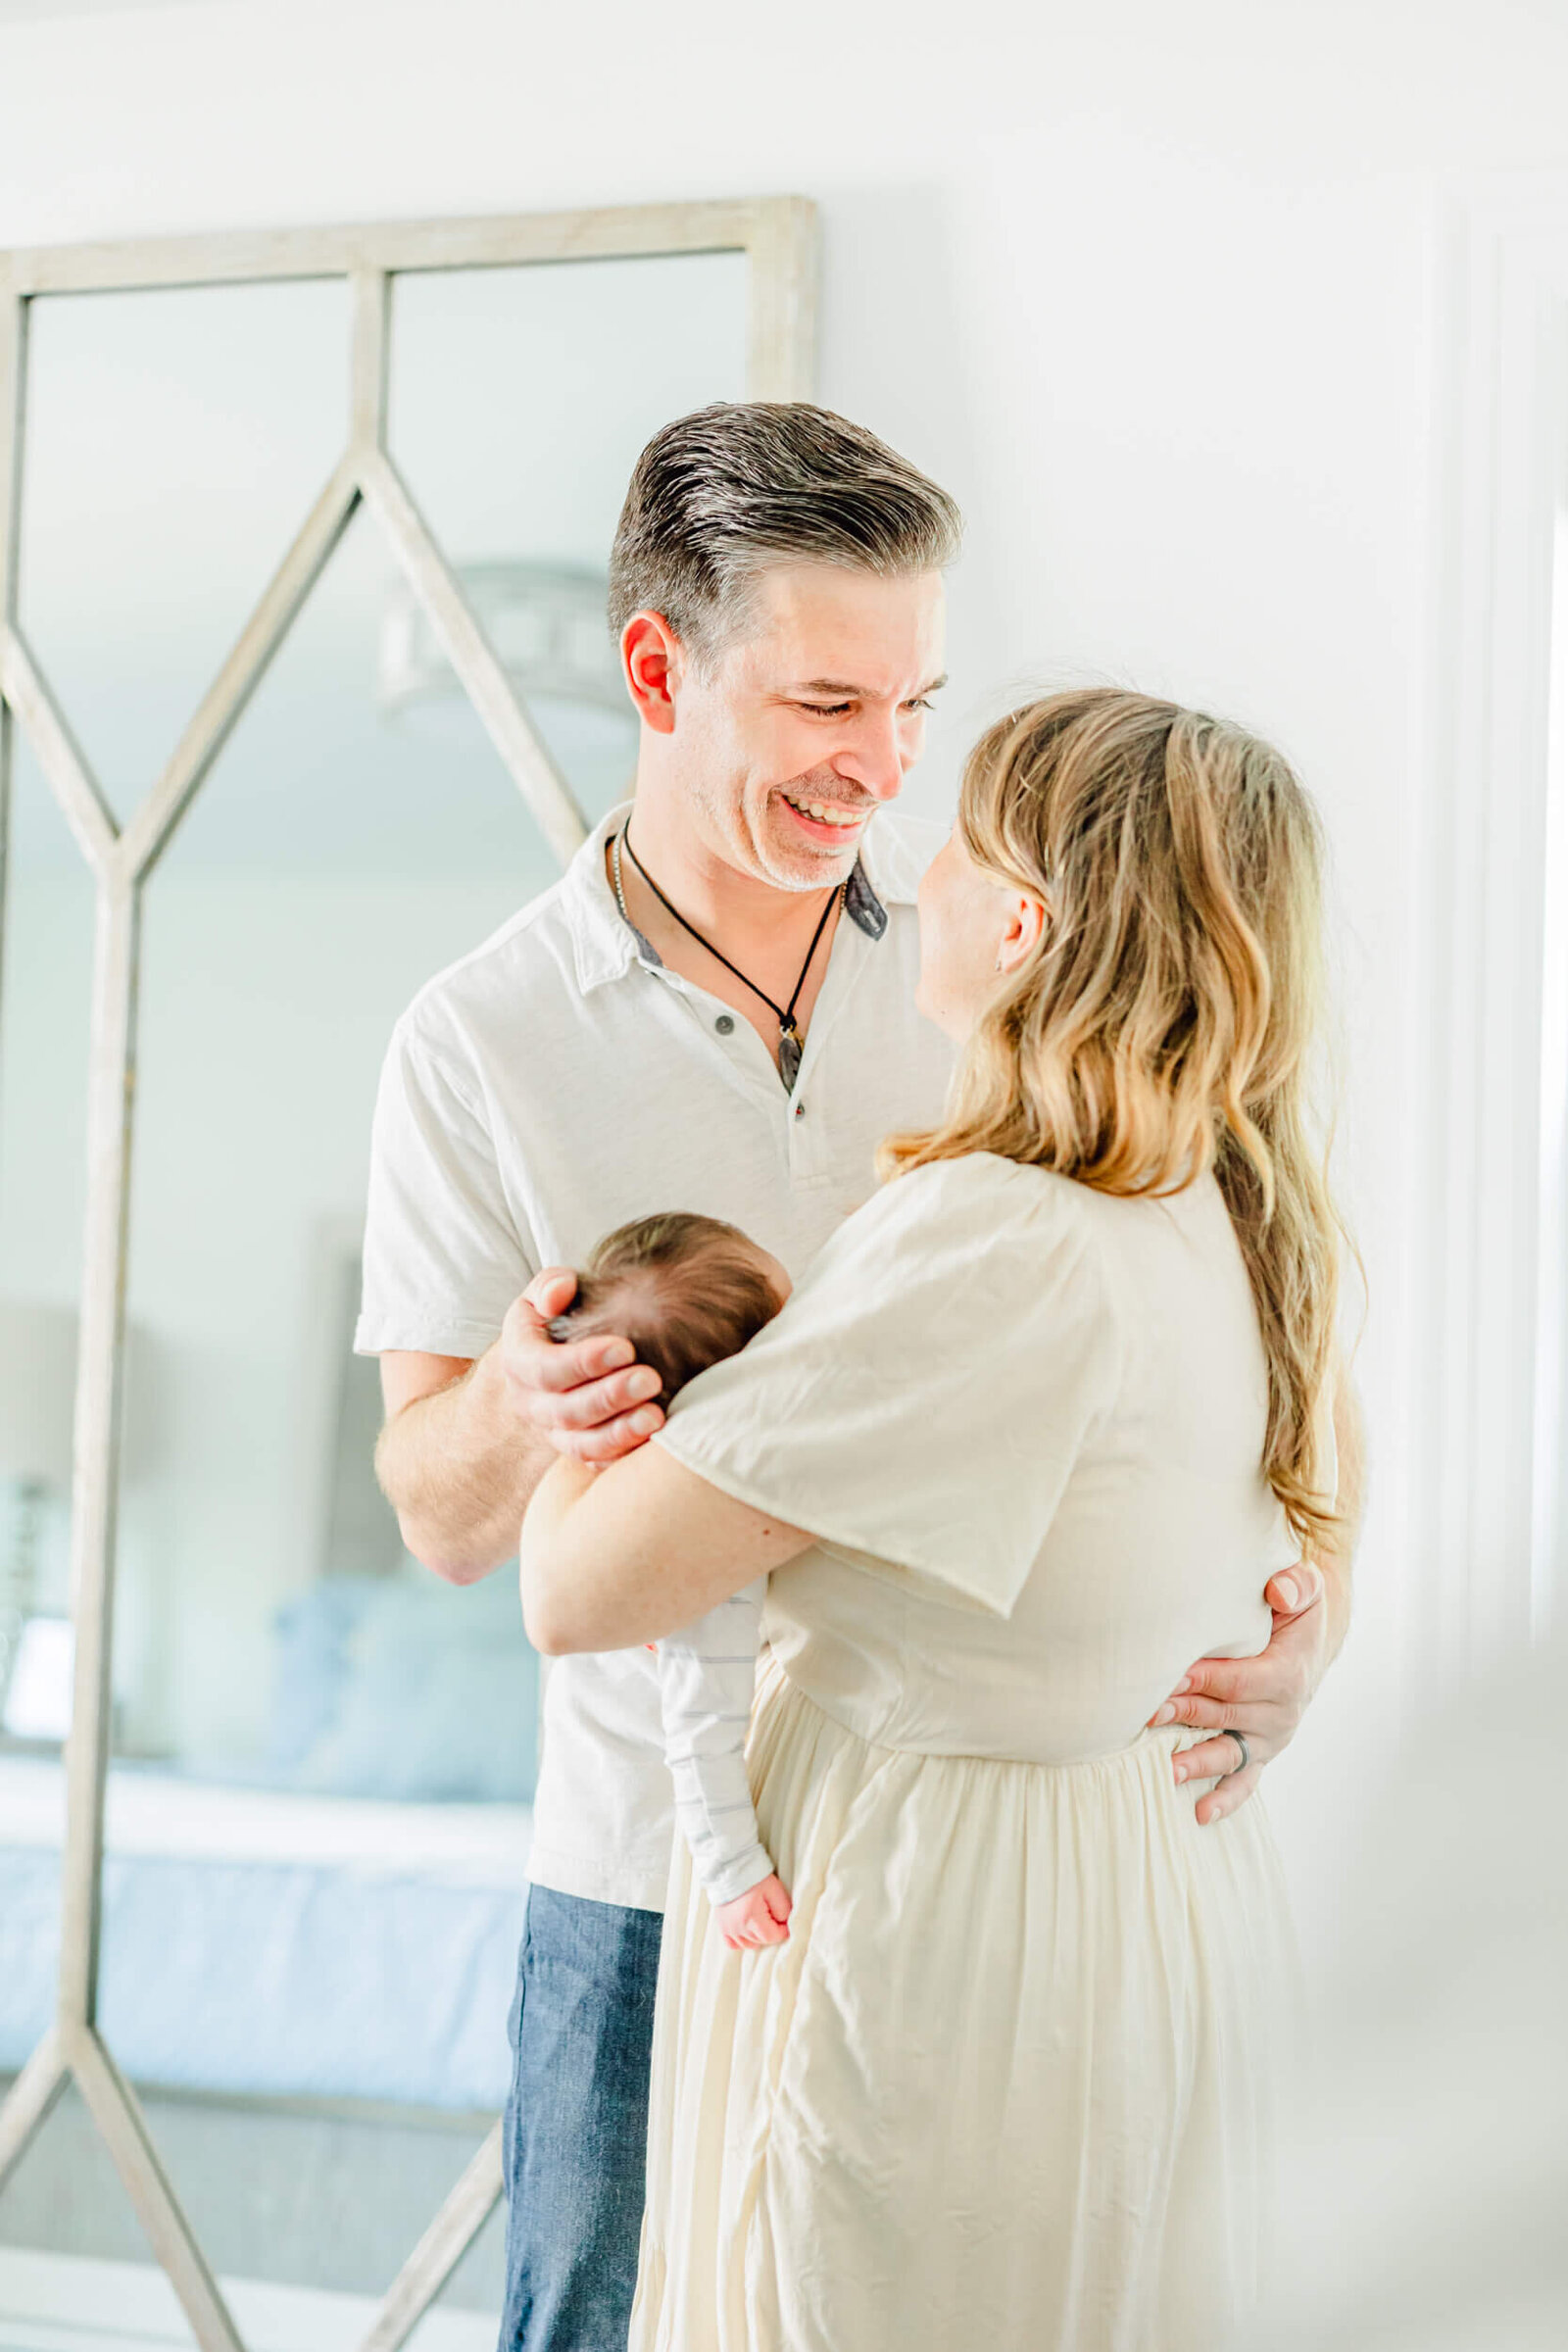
[1035, 1429]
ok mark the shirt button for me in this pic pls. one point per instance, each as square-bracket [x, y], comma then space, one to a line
[724, 1023]
[800, 1111]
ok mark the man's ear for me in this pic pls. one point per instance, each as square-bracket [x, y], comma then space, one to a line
[1025, 927]
[653, 665]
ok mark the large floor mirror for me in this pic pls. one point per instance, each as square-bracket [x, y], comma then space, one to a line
[305, 686]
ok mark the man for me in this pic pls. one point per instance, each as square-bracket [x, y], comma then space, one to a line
[712, 1010]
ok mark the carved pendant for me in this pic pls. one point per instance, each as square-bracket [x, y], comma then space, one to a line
[789, 1058]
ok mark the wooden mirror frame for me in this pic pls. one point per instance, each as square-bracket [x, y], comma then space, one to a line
[778, 235]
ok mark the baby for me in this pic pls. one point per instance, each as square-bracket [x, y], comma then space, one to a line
[687, 1291]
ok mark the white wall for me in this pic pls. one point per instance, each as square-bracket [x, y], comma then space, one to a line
[1152, 289]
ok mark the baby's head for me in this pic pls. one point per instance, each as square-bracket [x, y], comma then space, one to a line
[684, 1290]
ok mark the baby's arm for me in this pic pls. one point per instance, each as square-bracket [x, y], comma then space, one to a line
[707, 1674]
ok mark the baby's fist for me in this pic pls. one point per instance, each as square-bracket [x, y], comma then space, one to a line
[759, 1916]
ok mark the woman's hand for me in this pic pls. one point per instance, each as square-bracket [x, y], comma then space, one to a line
[1264, 1699]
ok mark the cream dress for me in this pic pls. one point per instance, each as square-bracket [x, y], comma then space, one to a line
[1007, 2087]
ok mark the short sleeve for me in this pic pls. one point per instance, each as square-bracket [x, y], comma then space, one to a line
[443, 1257]
[923, 1398]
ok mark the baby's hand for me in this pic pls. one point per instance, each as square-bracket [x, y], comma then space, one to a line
[759, 1916]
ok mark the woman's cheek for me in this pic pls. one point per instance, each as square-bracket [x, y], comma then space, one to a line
[930, 991]
[958, 927]
[943, 995]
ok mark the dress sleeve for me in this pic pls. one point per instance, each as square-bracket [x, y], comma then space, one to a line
[443, 1257]
[922, 1399]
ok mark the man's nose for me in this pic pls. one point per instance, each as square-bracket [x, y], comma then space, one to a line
[878, 757]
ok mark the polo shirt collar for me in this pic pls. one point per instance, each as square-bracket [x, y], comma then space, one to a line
[862, 906]
[606, 947]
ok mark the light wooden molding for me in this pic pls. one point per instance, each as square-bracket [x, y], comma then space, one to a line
[118, 2114]
[64, 763]
[612, 232]
[31, 2100]
[781, 327]
[13, 415]
[95, 1484]
[369, 353]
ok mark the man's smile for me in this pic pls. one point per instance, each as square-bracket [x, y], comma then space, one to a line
[826, 820]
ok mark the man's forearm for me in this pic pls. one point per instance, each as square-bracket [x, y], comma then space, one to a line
[459, 1471]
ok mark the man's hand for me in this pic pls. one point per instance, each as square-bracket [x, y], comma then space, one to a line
[589, 1399]
[465, 1443]
[1263, 1697]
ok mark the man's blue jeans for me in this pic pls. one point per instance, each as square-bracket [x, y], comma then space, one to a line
[576, 2123]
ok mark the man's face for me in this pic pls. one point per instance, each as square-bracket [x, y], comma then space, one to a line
[789, 740]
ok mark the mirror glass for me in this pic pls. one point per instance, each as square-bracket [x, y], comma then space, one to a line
[318, 1821]
[75, 2264]
[177, 441]
[322, 1756]
[519, 402]
[478, 2284]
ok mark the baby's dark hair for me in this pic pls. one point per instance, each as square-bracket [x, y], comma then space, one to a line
[685, 1289]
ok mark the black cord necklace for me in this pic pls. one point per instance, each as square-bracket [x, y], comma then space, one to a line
[789, 1036]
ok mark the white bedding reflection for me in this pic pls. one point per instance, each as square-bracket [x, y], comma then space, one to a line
[261, 1942]
[164, 1813]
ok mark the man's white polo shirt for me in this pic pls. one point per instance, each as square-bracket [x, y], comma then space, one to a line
[560, 1081]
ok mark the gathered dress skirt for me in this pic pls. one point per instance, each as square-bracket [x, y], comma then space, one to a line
[1009, 2085]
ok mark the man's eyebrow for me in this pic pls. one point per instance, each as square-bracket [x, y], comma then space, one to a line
[844, 686]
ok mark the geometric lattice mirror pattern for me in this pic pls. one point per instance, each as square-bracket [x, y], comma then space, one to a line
[322, 1755]
[67, 2227]
[492, 374]
[175, 439]
[302, 688]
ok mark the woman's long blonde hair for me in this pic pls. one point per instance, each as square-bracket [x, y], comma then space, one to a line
[1167, 1022]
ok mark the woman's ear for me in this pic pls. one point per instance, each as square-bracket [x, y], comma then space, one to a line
[652, 663]
[1022, 932]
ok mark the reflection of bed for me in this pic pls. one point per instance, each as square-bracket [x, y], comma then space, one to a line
[308, 1953]
[258, 1941]
[59, 2303]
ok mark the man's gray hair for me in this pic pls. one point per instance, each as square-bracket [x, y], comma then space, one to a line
[719, 494]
